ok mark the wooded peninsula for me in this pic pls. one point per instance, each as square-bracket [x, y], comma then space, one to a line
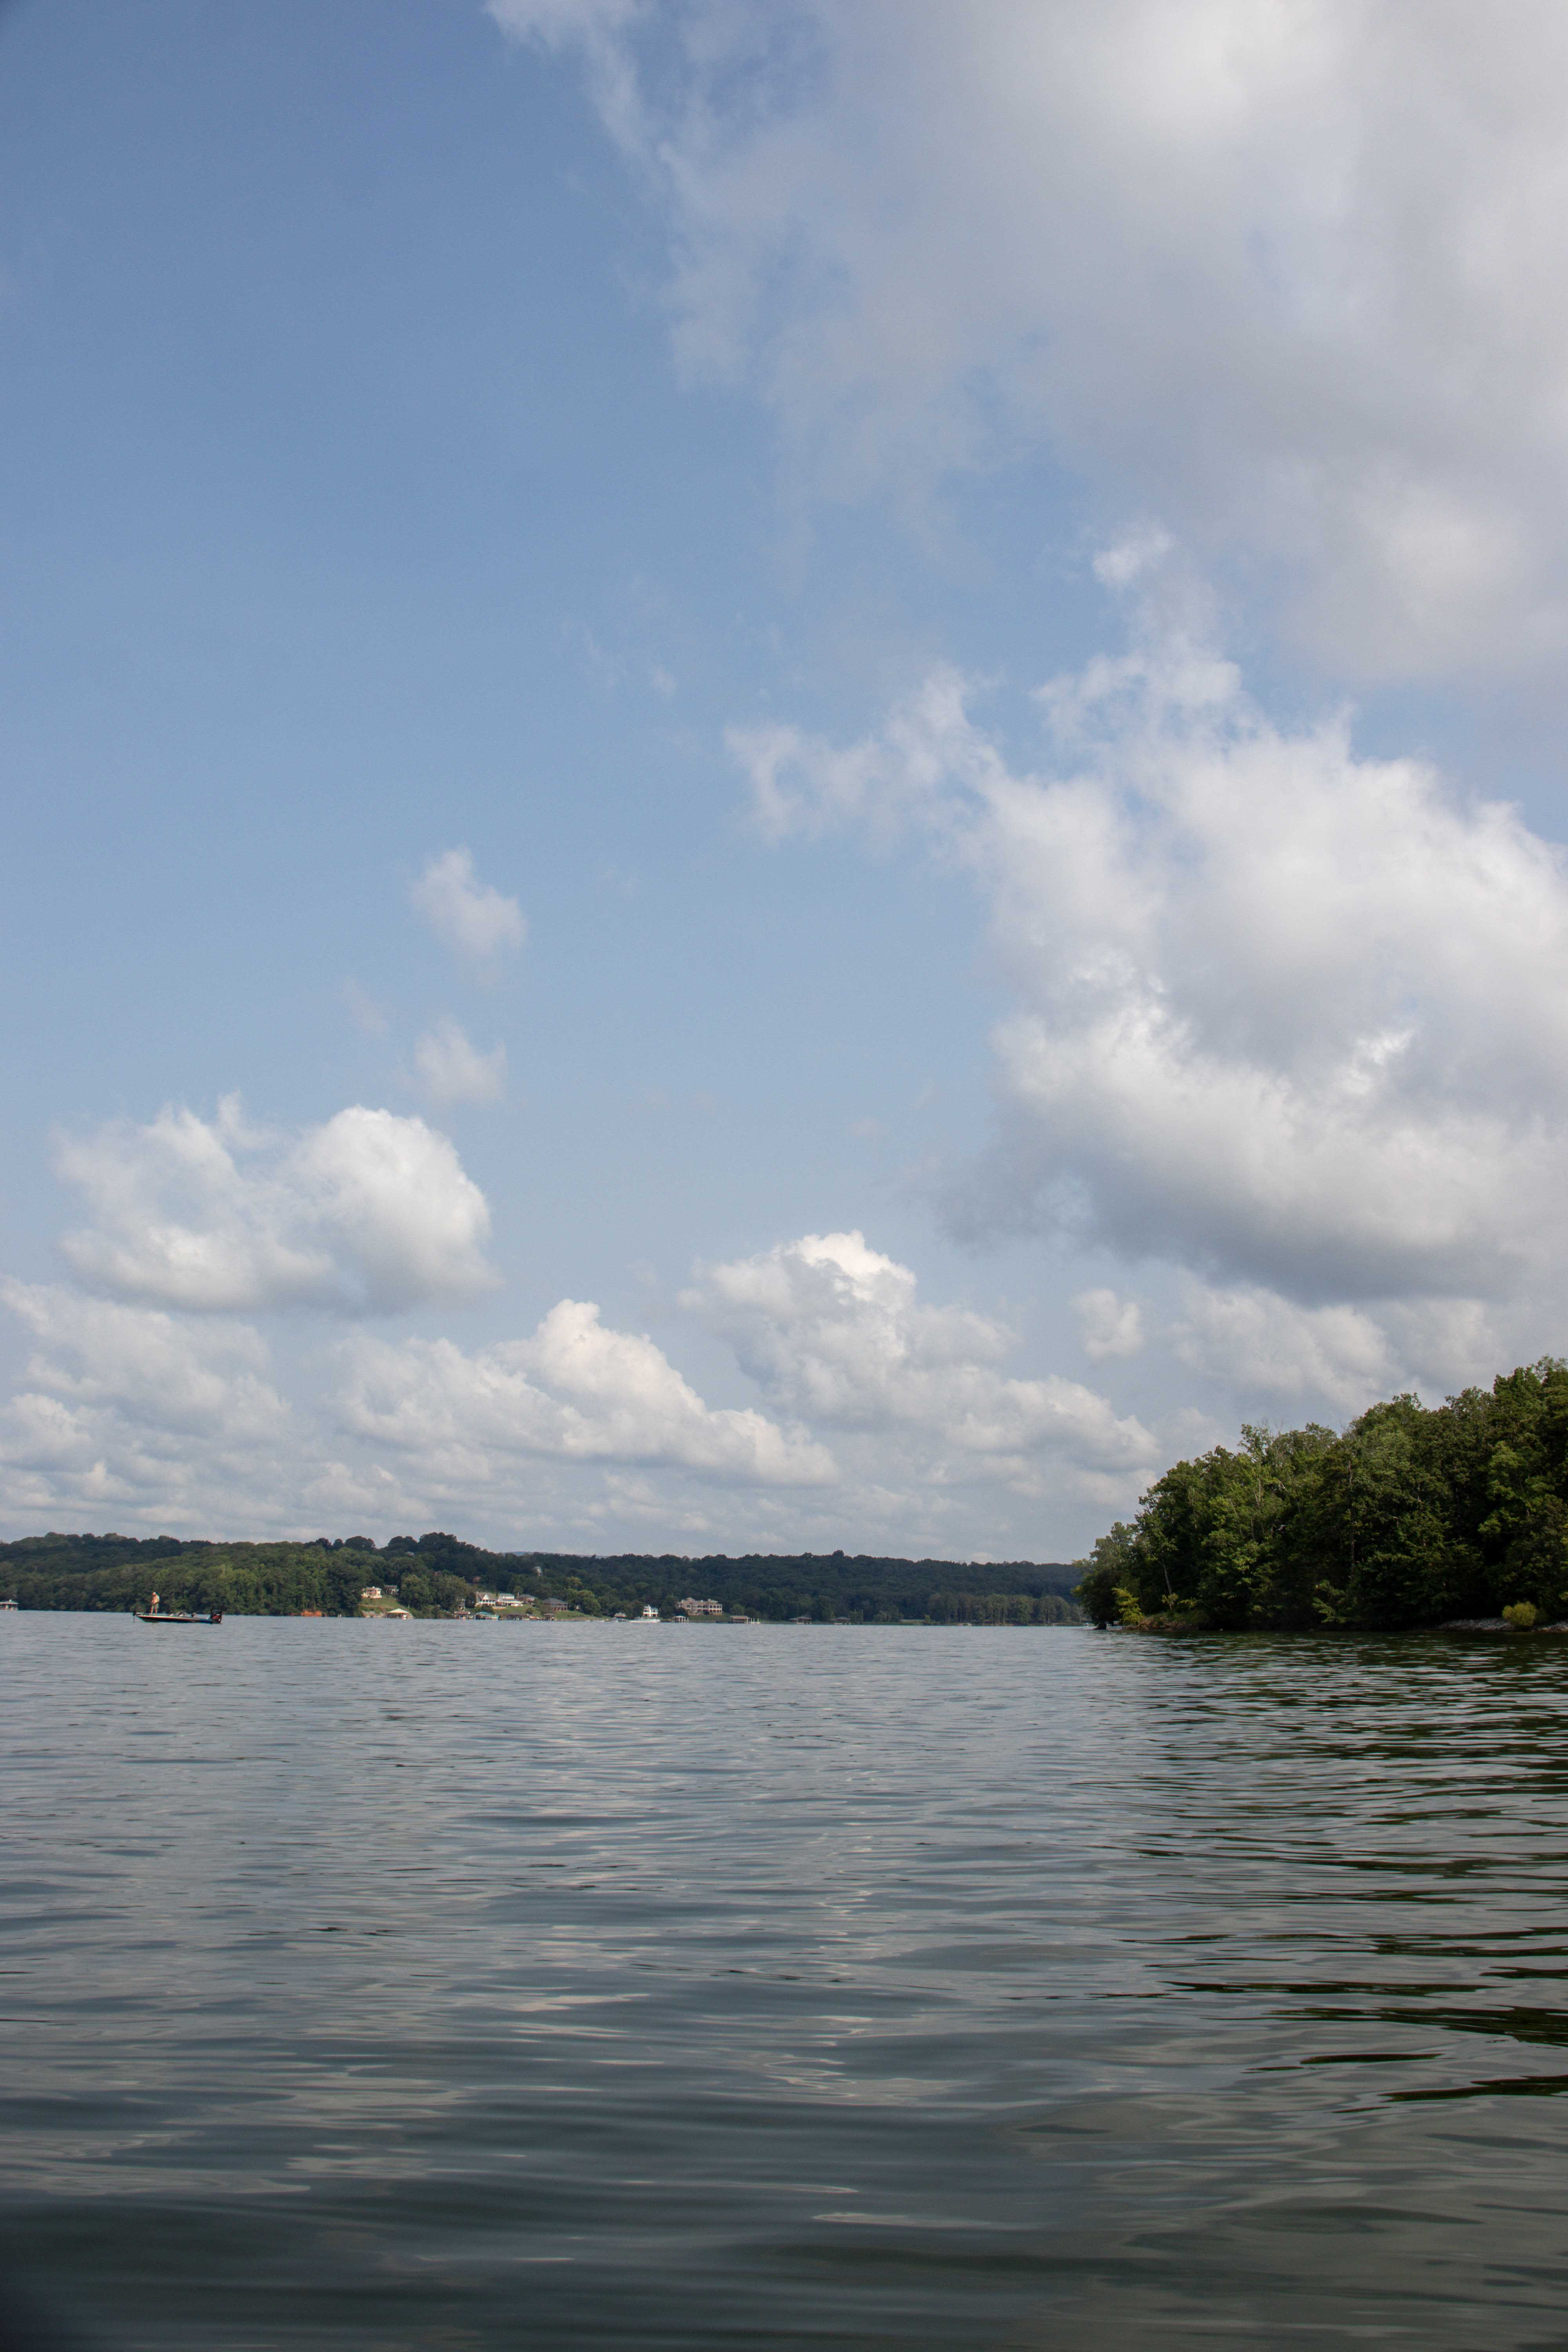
[1410, 1516]
[438, 1575]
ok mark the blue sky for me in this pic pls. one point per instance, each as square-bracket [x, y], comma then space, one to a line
[774, 778]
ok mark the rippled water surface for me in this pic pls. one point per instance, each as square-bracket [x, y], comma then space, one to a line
[391, 1986]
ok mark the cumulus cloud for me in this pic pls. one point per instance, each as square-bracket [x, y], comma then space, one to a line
[147, 1418]
[1283, 1015]
[1285, 274]
[468, 916]
[835, 1331]
[166, 1374]
[453, 1070]
[129, 1406]
[884, 1421]
[575, 1391]
[367, 1213]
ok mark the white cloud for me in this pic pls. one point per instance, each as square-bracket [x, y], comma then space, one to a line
[170, 1420]
[1283, 271]
[453, 1070]
[834, 1331]
[1131, 557]
[575, 1391]
[1259, 1344]
[125, 1405]
[887, 1424]
[468, 916]
[170, 1375]
[1285, 1017]
[801, 784]
[1111, 1326]
[364, 1214]
[1260, 1347]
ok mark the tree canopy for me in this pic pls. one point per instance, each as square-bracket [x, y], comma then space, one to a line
[436, 1574]
[1410, 1515]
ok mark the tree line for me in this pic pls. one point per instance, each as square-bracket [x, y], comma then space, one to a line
[1411, 1515]
[437, 1573]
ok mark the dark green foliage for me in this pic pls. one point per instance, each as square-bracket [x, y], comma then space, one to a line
[831, 1587]
[1408, 1518]
[242, 1579]
[428, 1590]
[438, 1574]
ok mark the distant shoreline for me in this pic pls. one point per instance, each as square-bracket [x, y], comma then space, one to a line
[436, 1617]
[438, 1575]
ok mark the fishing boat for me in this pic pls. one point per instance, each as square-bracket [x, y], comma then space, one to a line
[156, 1614]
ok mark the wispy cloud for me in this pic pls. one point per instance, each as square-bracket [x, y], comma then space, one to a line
[1111, 1326]
[453, 1070]
[475, 921]
[364, 1011]
[1284, 275]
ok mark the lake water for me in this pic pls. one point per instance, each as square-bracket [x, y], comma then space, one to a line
[448, 1986]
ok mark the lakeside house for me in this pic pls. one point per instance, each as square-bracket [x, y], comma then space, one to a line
[650, 1612]
[690, 1608]
[380, 1600]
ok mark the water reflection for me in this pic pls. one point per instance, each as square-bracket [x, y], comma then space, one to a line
[841, 1986]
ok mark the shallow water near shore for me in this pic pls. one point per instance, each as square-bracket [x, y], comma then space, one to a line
[455, 1985]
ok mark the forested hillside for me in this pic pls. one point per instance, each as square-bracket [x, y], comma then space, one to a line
[436, 1574]
[1409, 1517]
